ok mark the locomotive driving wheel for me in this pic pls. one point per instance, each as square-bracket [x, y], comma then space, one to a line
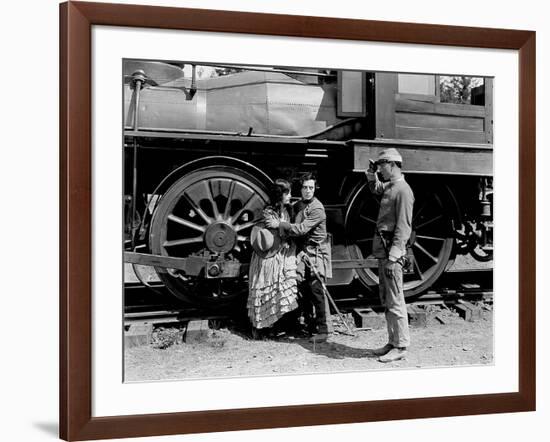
[208, 213]
[432, 238]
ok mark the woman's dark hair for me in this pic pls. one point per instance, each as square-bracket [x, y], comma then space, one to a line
[279, 188]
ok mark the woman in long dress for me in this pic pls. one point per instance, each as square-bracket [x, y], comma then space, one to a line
[273, 290]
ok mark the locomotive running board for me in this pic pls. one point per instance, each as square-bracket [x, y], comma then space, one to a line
[192, 265]
[341, 264]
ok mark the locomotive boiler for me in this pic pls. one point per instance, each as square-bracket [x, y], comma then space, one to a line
[200, 153]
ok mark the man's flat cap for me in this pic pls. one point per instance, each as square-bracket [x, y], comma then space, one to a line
[390, 154]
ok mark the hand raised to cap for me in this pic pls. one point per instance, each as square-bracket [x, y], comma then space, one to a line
[372, 166]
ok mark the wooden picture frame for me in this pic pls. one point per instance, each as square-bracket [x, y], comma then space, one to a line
[76, 421]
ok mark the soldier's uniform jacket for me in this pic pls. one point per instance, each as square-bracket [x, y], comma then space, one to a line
[310, 230]
[394, 218]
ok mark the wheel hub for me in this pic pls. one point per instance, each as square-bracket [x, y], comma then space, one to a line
[220, 237]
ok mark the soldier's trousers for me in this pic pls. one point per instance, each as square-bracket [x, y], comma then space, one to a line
[393, 299]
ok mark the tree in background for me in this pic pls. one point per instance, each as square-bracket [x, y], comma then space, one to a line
[457, 89]
[210, 71]
[220, 72]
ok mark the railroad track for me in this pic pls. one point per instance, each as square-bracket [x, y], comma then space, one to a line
[157, 306]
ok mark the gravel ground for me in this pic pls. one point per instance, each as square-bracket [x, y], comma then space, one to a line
[447, 340]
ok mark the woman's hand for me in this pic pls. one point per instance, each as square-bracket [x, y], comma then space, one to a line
[271, 222]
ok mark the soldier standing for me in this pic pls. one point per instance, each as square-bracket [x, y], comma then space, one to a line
[310, 231]
[393, 230]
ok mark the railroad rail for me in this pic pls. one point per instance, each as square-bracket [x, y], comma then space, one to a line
[155, 305]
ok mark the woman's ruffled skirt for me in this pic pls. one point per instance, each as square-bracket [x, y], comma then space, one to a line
[273, 289]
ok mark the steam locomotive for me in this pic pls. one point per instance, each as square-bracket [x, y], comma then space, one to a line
[201, 152]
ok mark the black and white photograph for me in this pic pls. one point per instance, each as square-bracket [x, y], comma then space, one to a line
[235, 221]
[283, 220]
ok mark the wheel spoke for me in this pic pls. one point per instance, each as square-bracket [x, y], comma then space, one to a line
[435, 218]
[181, 242]
[186, 223]
[198, 209]
[420, 210]
[433, 258]
[240, 227]
[366, 218]
[228, 202]
[364, 240]
[208, 185]
[438, 200]
[247, 205]
[417, 267]
[430, 237]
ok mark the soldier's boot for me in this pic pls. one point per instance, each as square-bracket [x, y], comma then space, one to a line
[395, 354]
[382, 350]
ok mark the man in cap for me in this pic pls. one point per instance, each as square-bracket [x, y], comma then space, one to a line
[310, 230]
[393, 230]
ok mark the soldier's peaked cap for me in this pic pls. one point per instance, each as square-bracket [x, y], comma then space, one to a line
[390, 154]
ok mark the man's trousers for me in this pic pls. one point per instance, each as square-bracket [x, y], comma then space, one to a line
[393, 299]
[314, 298]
